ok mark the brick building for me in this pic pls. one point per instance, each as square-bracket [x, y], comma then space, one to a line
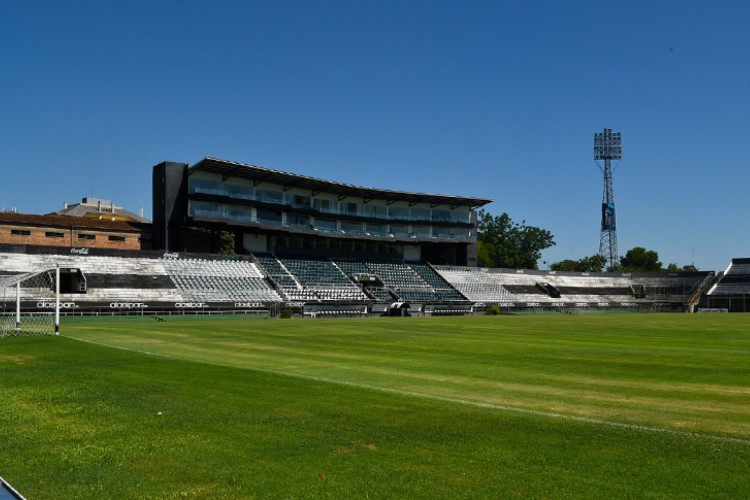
[73, 232]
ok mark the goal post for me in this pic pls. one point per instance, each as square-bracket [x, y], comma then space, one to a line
[41, 286]
[57, 300]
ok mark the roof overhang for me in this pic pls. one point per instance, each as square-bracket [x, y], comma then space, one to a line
[229, 169]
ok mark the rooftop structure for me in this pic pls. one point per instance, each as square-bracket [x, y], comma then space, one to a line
[96, 208]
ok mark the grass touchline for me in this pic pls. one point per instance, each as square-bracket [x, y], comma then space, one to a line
[477, 404]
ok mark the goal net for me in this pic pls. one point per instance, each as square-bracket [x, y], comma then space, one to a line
[22, 296]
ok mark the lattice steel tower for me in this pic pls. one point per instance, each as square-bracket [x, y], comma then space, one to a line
[608, 147]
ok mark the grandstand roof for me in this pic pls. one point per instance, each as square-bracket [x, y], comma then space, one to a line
[64, 221]
[235, 169]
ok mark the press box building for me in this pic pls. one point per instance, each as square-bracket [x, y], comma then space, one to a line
[215, 202]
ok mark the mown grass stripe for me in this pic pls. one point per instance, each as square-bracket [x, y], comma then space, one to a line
[662, 381]
[433, 397]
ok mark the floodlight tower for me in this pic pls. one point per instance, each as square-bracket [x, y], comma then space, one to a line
[608, 147]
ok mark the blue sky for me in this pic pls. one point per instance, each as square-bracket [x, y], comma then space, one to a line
[489, 99]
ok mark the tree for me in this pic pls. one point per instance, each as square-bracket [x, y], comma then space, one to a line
[640, 260]
[504, 243]
[565, 265]
[226, 241]
[593, 264]
[674, 268]
[483, 254]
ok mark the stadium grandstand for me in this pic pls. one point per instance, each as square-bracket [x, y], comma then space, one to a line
[228, 236]
[151, 282]
[526, 289]
[731, 292]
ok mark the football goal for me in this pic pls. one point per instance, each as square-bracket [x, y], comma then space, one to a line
[30, 303]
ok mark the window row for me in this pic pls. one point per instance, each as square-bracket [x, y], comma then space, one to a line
[277, 218]
[60, 234]
[244, 192]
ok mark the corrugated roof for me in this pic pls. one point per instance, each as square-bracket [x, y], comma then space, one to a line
[234, 169]
[63, 221]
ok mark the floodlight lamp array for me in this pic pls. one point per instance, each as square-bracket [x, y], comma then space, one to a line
[607, 145]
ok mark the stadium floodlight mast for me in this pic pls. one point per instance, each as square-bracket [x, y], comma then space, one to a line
[608, 147]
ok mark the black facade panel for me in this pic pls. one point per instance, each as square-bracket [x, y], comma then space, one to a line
[169, 204]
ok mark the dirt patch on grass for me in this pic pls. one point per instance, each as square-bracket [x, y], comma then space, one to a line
[18, 359]
[356, 448]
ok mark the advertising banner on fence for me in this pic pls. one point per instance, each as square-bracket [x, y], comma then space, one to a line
[130, 306]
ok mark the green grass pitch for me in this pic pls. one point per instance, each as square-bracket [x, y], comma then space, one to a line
[583, 406]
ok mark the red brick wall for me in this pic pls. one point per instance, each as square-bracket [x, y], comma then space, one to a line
[39, 236]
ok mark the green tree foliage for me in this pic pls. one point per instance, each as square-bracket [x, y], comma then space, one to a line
[227, 242]
[636, 260]
[564, 265]
[640, 260]
[493, 310]
[504, 243]
[483, 254]
[593, 264]
[674, 268]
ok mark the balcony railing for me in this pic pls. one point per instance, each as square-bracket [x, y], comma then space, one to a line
[360, 212]
[224, 214]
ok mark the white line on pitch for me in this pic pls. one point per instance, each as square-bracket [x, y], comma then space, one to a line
[477, 404]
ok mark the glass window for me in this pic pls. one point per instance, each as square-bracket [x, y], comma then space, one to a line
[240, 191]
[20, 232]
[86, 236]
[376, 229]
[116, 238]
[348, 207]
[399, 230]
[324, 205]
[460, 233]
[240, 214]
[204, 209]
[379, 211]
[269, 216]
[460, 216]
[351, 227]
[398, 212]
[50, 234]
[301, 221]
[441, 214]
[298, 201]
[269, 196]
[420, 213]
[421, 231]
[206, 186]
[326, 224]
